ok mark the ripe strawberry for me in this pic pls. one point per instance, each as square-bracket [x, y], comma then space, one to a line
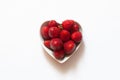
[54, 32]
[44, 32]
[56, 44]
[59, 54]
[69, 47]
[47, 43]
[64, 35]
[52, 23]
[68, 24]
[76, 36]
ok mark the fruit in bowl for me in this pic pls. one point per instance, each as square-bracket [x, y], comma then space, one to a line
[61, 39]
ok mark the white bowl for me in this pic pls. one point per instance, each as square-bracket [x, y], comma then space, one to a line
[50, 52]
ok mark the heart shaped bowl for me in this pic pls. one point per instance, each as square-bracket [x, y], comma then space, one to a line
[50, 52]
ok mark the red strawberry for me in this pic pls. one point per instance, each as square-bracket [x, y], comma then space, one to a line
[47, 43]
[69, 47]
[59, 54]
[52, 23]
[56, 44]
[44, 32]
[54, 32]
[76, 36]
[68, 24]
[64, 35]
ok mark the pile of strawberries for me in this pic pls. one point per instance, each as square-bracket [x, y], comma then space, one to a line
[63, 38]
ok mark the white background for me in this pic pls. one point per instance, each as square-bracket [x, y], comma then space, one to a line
[23, 58]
